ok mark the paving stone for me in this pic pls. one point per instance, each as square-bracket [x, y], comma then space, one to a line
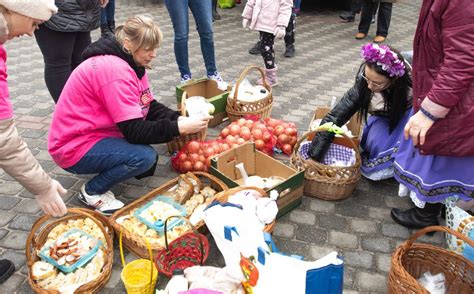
[6, 216]
[376, 244]
[332, 221]
[395, 231]
[383, 262]
[7, 202]
[12, 284]
[371, 282]
[358, 259]
[317, 252]
[350, 208]
[22, 222]
[10, 188]
[156, 182]
[311, 234]
[292, 247]
[135, 192]
[344, 240]
[348, 276]
[34, 134]
[27, 206]
[66, 181]
[368, 198]
[115, 279]
[284, 230]
[322, 206]
[14, 240]
[25, 289]
[302, 217]
[3, 233]
[363, 226]
[379, 213]
[402, 203]
[18, 258]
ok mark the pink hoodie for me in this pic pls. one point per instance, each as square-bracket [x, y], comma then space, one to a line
[6, 110]
[266, 15]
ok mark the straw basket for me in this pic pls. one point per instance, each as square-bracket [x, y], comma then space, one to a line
[39, 233]
[411, 260]
[223, 197]
[135, 243]
[324, 181]
[188, 250]
[139, 276]
[179, 142]
[262, 108]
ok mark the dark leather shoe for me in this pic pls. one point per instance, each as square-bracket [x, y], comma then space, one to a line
[255, 49]
[6, 269]
[289, 51]
[347, 16]
[414, 218]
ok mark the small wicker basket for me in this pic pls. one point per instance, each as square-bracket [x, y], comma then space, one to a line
[324, 181]
[223, 197]
[177, 143]
[411, 260]
[262, 108]
[135, 243]
[39, 233]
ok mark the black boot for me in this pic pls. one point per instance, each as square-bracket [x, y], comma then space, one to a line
[347, 16]
[111, 24]
[289, 51]
[6, 269]
[215, 14]
[418, 218]
[105, 31]
[255, 49]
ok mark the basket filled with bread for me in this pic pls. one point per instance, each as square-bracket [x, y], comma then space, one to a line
[143, 219]
[71, 254]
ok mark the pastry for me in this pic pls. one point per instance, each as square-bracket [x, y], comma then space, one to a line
[42, 270]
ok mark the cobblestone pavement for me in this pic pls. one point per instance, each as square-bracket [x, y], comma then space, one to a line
[327, 58]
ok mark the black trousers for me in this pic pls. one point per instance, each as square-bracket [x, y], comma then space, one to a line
[383, 18]
[266, 49]
[356, 6]
[62, 53]
[290, 31]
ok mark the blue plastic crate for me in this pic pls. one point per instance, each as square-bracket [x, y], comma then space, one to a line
[159, 225]
[82, 261]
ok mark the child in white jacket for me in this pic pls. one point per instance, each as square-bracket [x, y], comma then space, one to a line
[270, 18]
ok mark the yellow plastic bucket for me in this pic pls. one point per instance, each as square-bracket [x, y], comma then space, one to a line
[139, 276]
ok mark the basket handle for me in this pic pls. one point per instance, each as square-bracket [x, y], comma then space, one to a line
[183, 104]
[31, 240]
[447, 230]
[149, 252]
[242, 77]
[201, 247]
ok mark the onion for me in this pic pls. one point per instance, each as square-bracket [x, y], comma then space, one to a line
[186, 166]
[198, 166]
[283, 139]
[259, 144]
[290, 131]
[287, 149]
[240, 141]
[182, 157]
[241, 121]
[245, 133]
[279, 130]
[234, 130]
[257, 134]
[193, 157]
[230, 140]
[266, 137]
[225, 132]
[194, 147]
[208, 152]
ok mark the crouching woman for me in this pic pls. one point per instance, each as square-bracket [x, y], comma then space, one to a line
[106, 116]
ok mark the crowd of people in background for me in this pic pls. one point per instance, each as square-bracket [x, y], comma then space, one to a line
[419, 111]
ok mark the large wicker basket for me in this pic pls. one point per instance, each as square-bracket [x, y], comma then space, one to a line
[39, 233]
[262, 108]
[223, 197]
[177, 143]
[324, 181]
[136, 244]
[411, 260]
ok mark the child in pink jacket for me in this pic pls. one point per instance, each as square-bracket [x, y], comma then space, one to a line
[270, 18]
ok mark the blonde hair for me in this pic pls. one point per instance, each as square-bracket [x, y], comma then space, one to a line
[141, 31]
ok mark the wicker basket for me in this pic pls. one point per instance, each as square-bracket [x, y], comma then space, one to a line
[324, 181]
[410, 261]
[224, 197]
[262, 108]
[188, 250]
[137, 244]
[39, 233]
[177, 143]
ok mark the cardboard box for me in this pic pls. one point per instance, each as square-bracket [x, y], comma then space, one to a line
[207, 89]
[258, 163]
[354, 125]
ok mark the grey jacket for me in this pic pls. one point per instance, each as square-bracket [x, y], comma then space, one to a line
[75, 16]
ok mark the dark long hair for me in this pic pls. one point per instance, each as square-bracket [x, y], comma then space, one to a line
[395, 96]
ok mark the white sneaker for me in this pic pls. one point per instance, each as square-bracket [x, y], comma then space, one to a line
[103, 203]
[221, 85]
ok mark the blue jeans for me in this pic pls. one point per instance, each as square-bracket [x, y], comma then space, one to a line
[202, 12]
[108, 13]
[114, 160]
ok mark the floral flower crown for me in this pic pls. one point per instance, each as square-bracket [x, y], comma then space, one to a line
[384, 57]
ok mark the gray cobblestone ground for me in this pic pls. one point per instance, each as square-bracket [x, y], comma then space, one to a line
[327, 57]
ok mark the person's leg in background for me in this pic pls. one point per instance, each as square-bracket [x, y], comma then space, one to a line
[356, 7]
[104, 27]
[296, 7]
[365, 18]
[57, 49]
[266, 49]
[178, 11]
[383, 21]
[83, 39]
[290, 37]
[215, 14]
[110, 10]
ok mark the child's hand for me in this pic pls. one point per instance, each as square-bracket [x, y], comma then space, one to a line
[280, 32]
[245, 23]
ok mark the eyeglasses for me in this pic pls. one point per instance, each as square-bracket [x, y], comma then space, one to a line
[376, 85]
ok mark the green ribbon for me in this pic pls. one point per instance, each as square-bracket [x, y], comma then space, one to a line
[330, 127]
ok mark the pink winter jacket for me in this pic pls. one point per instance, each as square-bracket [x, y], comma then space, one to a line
[266, 15]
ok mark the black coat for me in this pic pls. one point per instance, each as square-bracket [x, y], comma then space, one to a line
[75, 16]
[349, 104]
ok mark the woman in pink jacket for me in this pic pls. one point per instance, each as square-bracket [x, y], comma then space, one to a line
[270, 18]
